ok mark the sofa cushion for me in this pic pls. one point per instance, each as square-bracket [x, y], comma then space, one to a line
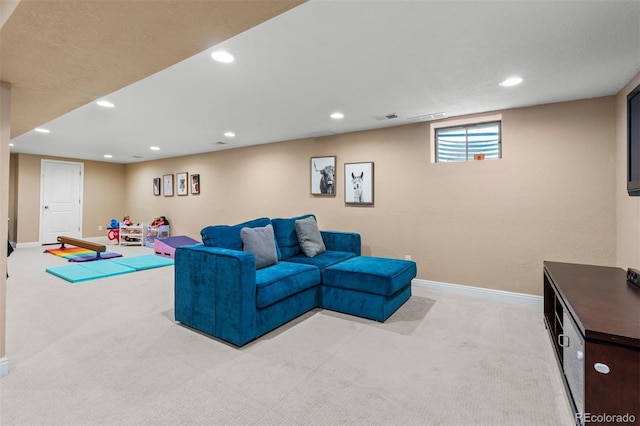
[225, 236]
[309, 236]
[286, 237]
[285, 279]
[323, 260]
[376, 275]
[260, 242]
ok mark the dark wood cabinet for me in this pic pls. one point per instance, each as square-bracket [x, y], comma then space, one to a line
[593, 318]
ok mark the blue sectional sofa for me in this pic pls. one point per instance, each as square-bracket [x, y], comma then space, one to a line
[248, 279]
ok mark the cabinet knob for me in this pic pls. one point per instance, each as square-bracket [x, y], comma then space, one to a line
[601, 368]
[580, 355]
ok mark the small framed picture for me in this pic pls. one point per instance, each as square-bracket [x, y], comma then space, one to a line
[358, 183]
[195, 184]
[323, 176]
[156, 186]
[167, 185]
[182, 184]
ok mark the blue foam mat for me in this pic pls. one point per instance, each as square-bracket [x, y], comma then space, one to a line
[84, 272]
[74, 273]
[79, 272]
[144, 262]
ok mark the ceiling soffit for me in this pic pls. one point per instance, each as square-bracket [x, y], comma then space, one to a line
[60, 55]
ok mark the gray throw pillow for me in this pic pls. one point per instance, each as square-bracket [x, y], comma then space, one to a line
[309, 237]
[261, 243]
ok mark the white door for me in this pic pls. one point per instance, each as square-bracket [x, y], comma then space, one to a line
[61, 200]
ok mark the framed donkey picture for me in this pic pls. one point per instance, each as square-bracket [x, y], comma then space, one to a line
[358, 183]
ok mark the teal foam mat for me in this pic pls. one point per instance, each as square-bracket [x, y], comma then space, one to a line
[109, 268]
[84, 272]
[79, 272]
[144, 262]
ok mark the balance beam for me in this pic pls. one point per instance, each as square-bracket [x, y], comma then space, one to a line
[98, 248]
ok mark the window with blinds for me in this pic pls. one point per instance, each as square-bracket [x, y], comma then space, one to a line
[463, 143]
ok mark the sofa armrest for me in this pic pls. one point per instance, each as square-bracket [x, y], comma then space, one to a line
[215, 292]
[342, 241]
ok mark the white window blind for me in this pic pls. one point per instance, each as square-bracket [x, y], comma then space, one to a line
[462, 143]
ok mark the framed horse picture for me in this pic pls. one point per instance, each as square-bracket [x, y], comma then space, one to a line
[323, 176]
[358, 183]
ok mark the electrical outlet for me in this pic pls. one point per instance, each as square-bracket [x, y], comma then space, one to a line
[633, 276]
[407, 257]
[99, 227]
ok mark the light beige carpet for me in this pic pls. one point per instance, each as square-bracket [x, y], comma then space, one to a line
[107, 352]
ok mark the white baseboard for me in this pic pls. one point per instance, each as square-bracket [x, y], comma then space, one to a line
[479, 292]
[27, 245]
[37, 243]
[4, 366]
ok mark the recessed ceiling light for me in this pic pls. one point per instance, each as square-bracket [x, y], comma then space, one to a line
[222, 56]
[41, 130]
[108, 156]
[512, 81]
[105, 104]
[154, 148]
[230, 134]
[337, 115]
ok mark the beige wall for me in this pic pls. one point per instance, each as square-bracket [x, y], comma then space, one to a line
[627, 208]
[13, 190]
[488, 224]
[104, 195]
[5, 136]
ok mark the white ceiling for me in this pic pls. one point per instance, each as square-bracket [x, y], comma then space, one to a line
[365, 59]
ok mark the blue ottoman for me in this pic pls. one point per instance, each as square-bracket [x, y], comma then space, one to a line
[368, 287]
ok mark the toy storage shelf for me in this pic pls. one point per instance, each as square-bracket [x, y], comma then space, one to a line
[132, 235]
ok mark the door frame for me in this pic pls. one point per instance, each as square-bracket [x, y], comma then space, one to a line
[41, 204]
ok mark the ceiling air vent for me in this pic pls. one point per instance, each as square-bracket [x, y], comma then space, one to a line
[137, 156]
[389, 116]
[428, 117]
[218, 143]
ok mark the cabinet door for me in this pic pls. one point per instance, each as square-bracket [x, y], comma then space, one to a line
[553, 312]
[614, 387]
[573, 360]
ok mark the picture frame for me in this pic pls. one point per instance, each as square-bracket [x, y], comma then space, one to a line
[358, 183]
[323, 176]
[156, 186]
[167, 185]
[182, 183]
[195, 184]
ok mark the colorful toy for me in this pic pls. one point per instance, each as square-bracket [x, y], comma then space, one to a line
[114, 230]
